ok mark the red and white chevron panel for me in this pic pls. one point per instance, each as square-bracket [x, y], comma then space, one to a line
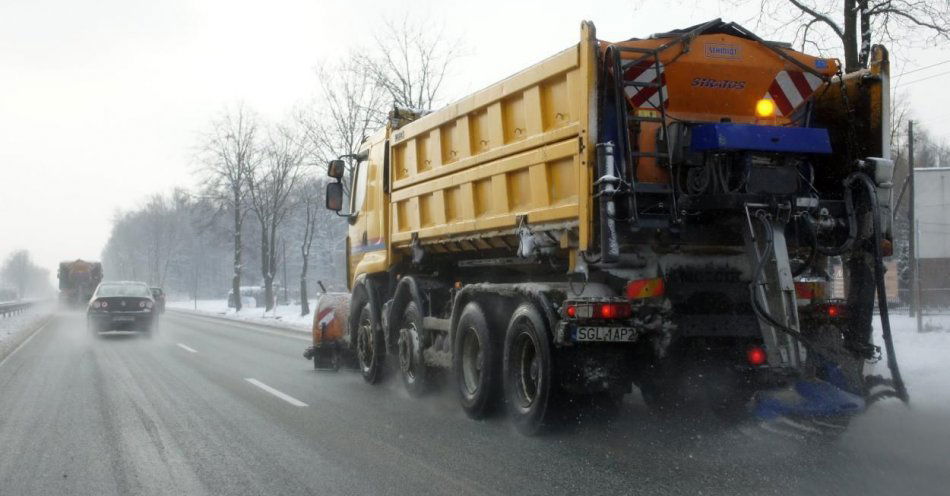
[790, 89]
[644, 71]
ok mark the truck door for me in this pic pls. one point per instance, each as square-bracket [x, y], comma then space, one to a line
[367, 236]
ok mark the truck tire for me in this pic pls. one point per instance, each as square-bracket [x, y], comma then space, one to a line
[369, 345]
[409, 345]
[528, 370]
[476, 363]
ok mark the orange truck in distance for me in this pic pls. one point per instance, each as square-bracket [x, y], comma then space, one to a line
[77, 281]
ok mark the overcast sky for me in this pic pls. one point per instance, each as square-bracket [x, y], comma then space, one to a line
[102, 101]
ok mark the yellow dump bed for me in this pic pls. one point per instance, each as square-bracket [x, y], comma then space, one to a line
[521, 151]
[463, 177]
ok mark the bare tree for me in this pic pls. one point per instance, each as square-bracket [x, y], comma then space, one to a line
[229, 155]
[309, 208]
[19, 271]
[351, 106]
[270, 186]
[853, 25]
[411, 61]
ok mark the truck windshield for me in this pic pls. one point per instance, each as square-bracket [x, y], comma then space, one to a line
[358, 187]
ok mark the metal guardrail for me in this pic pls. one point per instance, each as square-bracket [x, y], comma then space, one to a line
[13, 308]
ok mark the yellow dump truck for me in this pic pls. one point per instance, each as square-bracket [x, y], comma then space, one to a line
[656, 212]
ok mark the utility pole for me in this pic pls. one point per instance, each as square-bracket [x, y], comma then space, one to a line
[911, 222]
[283, 244]
[920, 318]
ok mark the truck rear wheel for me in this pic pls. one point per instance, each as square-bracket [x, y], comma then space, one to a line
[476, 362]
[528, 365]
[369, 346]
[410, 344]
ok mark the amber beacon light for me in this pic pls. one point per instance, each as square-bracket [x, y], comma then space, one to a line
[765, 108]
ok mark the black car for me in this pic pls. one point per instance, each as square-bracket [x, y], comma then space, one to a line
[122, 306]
[158, 294]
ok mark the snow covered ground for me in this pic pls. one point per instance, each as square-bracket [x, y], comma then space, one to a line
[283, 315]
[13, 324]
[922, 358]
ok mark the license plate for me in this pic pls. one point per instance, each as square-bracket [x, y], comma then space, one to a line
[608, 334]
[123, 318]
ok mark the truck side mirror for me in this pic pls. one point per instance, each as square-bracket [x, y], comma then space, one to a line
[335, 169]
[335, 196]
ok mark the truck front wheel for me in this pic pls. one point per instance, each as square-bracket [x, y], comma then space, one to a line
[528, 365]
[476, 362]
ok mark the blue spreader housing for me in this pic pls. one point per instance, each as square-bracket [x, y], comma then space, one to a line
[734, 137]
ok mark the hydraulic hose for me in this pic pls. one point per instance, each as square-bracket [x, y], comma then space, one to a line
[871, 188]
[856, 177]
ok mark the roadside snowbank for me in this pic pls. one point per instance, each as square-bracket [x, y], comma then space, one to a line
[16, 329]
[921, 357]
[14, 324]
[283, 315]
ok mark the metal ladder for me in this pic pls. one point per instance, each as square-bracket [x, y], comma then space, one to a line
[653, 196]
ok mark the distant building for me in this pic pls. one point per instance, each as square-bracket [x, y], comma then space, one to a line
[932, 214]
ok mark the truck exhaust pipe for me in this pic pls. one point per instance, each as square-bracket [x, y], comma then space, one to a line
[607, 186]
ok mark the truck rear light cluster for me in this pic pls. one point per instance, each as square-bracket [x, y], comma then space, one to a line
[598, 310]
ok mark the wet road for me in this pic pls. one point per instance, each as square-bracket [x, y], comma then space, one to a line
[213, 407]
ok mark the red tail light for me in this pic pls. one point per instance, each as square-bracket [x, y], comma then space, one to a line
[612, 311]
[600, 310]
[834, 310]
[756, 356]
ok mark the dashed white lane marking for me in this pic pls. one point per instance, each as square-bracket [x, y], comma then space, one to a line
[187, 348]
[21, 345]
[286, 397]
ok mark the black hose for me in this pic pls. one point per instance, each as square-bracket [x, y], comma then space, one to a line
[879, 282]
